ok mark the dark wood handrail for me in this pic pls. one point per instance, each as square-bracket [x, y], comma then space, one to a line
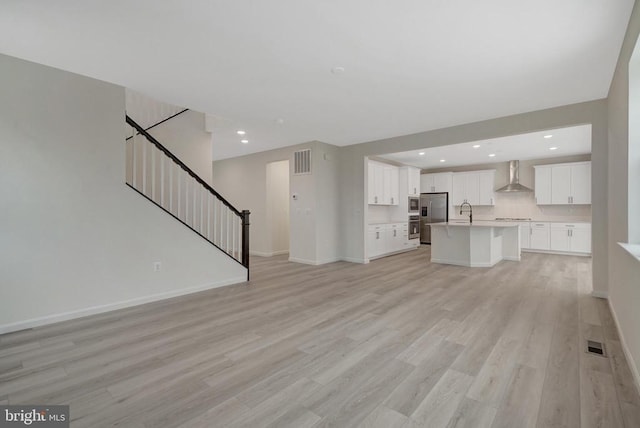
[182, 165]
[162, 121]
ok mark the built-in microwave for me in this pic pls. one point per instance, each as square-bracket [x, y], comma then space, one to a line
[414, 205]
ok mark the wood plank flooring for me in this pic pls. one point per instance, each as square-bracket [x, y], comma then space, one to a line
[399, 342]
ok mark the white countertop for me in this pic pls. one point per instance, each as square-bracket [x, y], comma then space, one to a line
[633, 249]
[388, 222]
[483, 223]
[532, 221]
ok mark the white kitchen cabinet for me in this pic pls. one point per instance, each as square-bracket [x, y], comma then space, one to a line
[543, 185]
[383, 184]
[525, 234]
[395, 241]
[570, 237]
[458, 193]
[539, 237]
[581, 239]
[559, 238]
[474, 187]
[371, 183]
[375, 241]
[563, 184]
[486, 182]
[413, 181]
[581, 183]
[391, 185]
[388, 238]
[436, 182]
[376, 183]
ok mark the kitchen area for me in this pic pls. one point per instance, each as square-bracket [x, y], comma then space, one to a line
[538, 182]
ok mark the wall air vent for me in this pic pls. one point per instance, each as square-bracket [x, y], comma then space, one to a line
[302, 162]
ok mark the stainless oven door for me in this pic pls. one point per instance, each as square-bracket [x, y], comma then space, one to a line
[414, 228]
[414, 204]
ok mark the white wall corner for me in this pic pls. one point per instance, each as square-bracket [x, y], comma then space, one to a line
[600, 294]
[627, 352]
[355, 260]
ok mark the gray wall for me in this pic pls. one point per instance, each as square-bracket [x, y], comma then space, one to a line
[314, 224]
[75, 239]
[185, 137]
[624, 201]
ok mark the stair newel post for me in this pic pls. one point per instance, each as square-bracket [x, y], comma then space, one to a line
[245, 240]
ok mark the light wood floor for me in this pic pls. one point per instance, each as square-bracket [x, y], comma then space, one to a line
[399, 342]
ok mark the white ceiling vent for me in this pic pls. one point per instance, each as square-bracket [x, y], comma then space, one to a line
[302, 162]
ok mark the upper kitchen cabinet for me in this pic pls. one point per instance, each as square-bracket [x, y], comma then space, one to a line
[543, 185]
[391, 185]
[474, 187]
[437, 182]
[486, 182]
[383, 184]
[413, 181]
[563, 184]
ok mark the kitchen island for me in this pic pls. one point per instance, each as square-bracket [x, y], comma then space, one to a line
[481, 244]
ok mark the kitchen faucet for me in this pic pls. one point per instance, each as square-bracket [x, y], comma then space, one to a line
[470, 210]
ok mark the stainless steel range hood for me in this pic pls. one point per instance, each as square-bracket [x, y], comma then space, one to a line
[514, 179]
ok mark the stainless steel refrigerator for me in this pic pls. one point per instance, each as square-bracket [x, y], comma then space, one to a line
[434, 208]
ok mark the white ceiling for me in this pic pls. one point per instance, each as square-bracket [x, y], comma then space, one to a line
[575, 140]
[410, 65]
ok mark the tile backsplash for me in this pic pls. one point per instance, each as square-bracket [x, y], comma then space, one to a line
[523, 205]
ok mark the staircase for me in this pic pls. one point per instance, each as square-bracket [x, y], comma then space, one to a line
[162, 178]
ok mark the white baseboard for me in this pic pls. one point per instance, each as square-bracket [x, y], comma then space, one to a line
[314, 262]
[264, 254]
[625, 349]
[79, 313]
[600, 294]
[560, 253]
[457, 263]
[355, 260]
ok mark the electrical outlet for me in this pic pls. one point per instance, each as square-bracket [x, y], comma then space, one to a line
[157, 266]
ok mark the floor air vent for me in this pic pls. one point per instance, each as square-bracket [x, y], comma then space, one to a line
[594, 347]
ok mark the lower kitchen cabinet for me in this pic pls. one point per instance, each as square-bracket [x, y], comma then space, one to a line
[570, 237]
[539, 236]
[388, 238]
[525, 234]
[375, 238]
[556, 237]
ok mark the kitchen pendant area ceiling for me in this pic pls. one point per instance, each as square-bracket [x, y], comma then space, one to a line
[340, 72]
[575, 140]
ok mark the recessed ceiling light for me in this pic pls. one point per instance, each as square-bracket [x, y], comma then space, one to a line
[475, 146]
[492, 155]
[244, 141]
[279, 121]
[553, 148]
[421, 153]
[548, 136]
[337, 70]
[442, 160]
[240, 132]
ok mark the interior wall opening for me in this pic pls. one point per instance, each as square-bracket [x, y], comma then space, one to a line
[277, 207]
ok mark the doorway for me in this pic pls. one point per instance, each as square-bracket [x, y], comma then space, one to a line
[277, 218]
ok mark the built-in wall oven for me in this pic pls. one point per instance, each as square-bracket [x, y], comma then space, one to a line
[414, 226]
[414, 205]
